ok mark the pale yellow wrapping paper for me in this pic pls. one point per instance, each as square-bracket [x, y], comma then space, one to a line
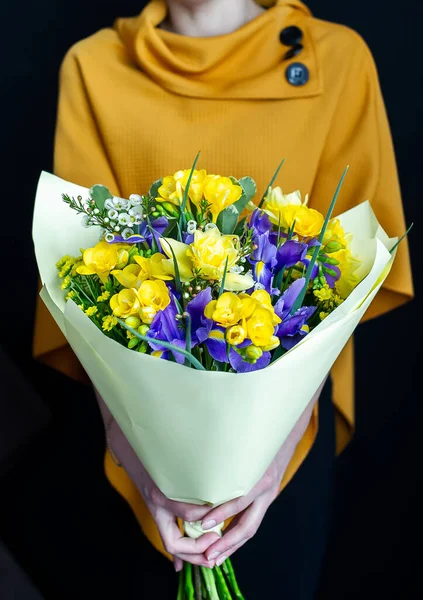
[202, 436]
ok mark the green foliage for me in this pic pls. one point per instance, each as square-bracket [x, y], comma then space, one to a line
[99, 193]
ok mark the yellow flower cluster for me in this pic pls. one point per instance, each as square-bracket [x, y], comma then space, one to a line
[219, 192]
[245, 316]
[65, 265]
[328, 299]
[284, 209]
[348, 264]
[144, 302]
[208, 254]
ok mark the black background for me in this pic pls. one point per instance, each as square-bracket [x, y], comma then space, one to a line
[374, 546]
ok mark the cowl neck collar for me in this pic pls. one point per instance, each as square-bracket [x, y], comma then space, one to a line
[247, 63]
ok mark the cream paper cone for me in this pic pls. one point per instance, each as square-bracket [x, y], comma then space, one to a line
[203, 436]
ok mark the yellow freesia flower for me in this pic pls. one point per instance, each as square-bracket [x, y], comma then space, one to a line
[236, 334]
[155, 266]
[153, 296]
[220, 192]
[348, 263]
[208, 253]
[125, 304]
[260, 327]
[99, 260]
[264, 300]
[131, 276]
[276, 201]
[173, 187]
[229, 309]
[308, 221]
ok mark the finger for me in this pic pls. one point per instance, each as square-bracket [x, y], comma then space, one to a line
[197, 559]
[175, 542]
[178, 563]
[240, 531]
[187, 512]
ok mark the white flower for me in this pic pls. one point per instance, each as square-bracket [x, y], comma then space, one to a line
[210, 226]
[117, 228]
[259, 286]
[136, 210]
[120, 203]
[112, 214]
[191, 226]
[236, 269]
[106, 219]
[135, 199]
[124, 219]
[96, 211]
[86, 221]
[109, 237]
[109, 203]
[126, 233]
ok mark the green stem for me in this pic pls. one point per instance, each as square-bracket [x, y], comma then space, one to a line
[189, 585]
[181, 594]
[224, 592]
[271, 182]
[210, 584]
[80, 290]
[229, 570]
[197, 582]
[287, 280]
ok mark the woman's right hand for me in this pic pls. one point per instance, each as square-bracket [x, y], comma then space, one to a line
[163, 510]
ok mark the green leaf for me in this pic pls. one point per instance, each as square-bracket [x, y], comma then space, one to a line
[401, 238]
[176, 267]
[272, 181]
[298, 302]
[99, 193]
[154, 188]
[170, 228]
[222, 283]
[182, 218]
[249, 187]
[228, 218]
[239, 229]
[146, 338]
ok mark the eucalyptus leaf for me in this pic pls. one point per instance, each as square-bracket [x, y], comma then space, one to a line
[154, 188]
[249, 187]
[99, 193]
[227, 219]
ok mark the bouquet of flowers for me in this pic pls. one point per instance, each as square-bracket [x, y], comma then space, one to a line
[191, 302]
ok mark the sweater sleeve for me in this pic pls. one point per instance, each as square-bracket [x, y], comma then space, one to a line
[360, 137]
[79, 157]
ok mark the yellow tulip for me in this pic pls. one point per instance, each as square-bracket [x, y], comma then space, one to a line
[220, 192]
[125, 304]
[99, 260]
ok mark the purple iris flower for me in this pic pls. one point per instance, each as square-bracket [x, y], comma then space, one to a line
[263, 260]
[260, 222]
[290, 253]
[145, 234]
[166, 327]
[290, 330]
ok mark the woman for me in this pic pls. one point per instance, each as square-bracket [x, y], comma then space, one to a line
[247, 86]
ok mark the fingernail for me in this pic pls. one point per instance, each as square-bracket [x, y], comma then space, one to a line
[213, 555]
[208, 524]
[221, 560]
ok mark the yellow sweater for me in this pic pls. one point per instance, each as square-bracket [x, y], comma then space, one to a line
[137, 102]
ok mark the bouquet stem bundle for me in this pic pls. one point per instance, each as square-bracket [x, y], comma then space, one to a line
[201, 583]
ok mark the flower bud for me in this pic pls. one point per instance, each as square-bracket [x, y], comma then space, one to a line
[330, 261]
[171, 209]
[332, 247]
[133, 322]
[235, 335]
[123, 257]
[330, 272]
[143, 329]
[133, 342]
[253, 353]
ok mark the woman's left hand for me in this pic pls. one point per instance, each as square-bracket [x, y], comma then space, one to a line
[248, 511]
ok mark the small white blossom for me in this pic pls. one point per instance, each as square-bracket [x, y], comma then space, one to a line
[112, 214]
[259, 286]
[242, 259]
[124, 219]
[86, 221]
[135, 199]
[106, 219]
[191, 226]
[126, 233]
[109, 237]
[109, 204]
[96, 211]
[120, 203]
[210, 226]
[236, 269]
[135, 211]
[116, 228]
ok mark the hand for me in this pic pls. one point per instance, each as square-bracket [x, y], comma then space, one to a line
[164, 511]
[248, 511]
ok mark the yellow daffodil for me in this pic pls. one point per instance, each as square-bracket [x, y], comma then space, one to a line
[260, 327]
[125, 304]
[208, 254]
[99, 260]
[220, 192]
